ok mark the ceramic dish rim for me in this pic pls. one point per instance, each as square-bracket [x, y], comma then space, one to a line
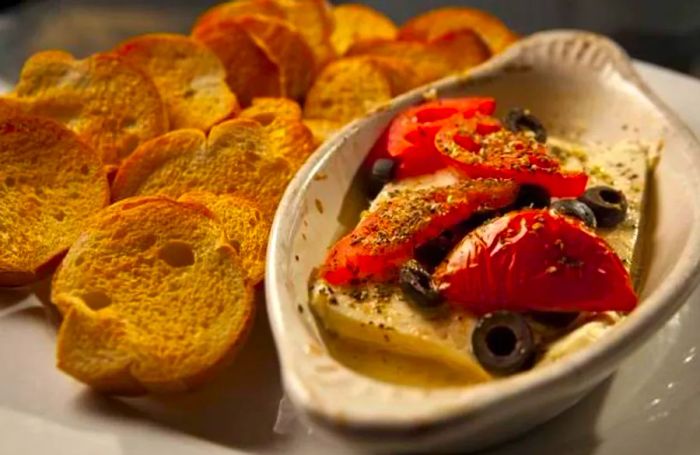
[659, 305]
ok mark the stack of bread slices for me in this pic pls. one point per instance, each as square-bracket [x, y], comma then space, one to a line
[145, 177]
[135, 177]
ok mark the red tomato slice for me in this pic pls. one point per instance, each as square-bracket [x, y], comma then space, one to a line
[378, 151]
[535, 260]
[387, 237]
[480, 149]
[411, 135]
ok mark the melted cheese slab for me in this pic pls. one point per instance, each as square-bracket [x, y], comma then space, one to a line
[375, 330]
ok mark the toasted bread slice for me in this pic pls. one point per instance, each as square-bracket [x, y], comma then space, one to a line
[291, 140]
[281, 117]
[237, 157]
[314, 20]
[150, 309]
[311, 18]
[250, 71]
[50, 183]
[10, 107]
[355, 22]
[112, 105]
[266, 110]
[401, 72]
[238, 8]
[346, 89]
[442, 21]
[246, 227]
[450, 53]
[322, 129]
[189, 76]
[286, 47]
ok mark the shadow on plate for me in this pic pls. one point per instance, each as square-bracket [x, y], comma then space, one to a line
[20, 299]
[230, 410]
[11, 296]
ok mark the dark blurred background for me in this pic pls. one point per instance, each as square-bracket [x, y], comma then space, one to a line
[665, 32]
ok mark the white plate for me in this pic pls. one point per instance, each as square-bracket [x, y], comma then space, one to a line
[650, 406]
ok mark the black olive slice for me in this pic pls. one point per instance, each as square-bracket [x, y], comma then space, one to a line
[576, 209]
[608, 204]
[503, 342]
[518, 119]
[417, 284]
[532, 196]
[382, 173]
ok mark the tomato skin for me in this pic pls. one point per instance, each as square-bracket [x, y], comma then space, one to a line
[480, 149]
[410, 137]
[387, 237]
[378, 151]
[535, 260]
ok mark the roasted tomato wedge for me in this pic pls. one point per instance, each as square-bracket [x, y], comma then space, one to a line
[480, 148]
[386, 237]
[535, 260]
[410, 138]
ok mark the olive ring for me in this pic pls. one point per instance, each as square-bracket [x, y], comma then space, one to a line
[518, 119]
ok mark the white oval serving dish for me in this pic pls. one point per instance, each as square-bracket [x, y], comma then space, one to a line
[580, 85]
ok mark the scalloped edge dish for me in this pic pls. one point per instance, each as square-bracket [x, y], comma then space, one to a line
[584, 88]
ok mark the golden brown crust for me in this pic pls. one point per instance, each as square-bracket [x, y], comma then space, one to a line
[189, 76]
[347, 89]
[50, 184]
[429, 61]
[286, 47]
[313, 19]
[355, 22]
[290, 138]
[250, 71]
[267, 8]
[10, 107]
[153, 309]
[246, 226]
[442, 21]
[266, 110]
[322, 129]
[110, 104]
[239, 156]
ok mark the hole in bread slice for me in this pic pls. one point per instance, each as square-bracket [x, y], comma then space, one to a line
[97, 300]
[236, 246]
[265, 118]
[177, 254]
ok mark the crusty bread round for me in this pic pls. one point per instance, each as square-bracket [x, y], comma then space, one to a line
[346, 89]
[50, 183]
[356, 22]
[246, 227]
[111, 104]
[440, 22]
[290, 138]
[190, 78]
[10, 107]
[286, 47]
[267, 8]
[153, 296]
[322, 129]
[313, 19]
[239, 156]
[428, 61]
[267, 109]
[250, 71]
